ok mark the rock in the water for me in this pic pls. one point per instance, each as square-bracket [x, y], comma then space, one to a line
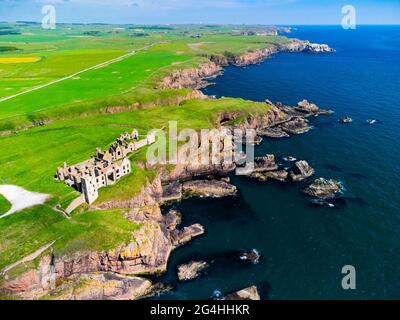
[279, 175]
[266, 168]
[180, 237]
[301, 170]
[274, 132]
[191, 270]
[307, 106]
[253, 256]
[346, 120]
[323, 188]
[296, 126]
[248, 139]
[318, 48]
[266, 163]
[208, 188]
[250, 293]
[310, 108]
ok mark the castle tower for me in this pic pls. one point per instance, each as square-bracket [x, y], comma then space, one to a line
[89, 189]
[134, 134]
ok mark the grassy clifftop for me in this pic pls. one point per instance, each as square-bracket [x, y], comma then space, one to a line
[31, 229]
[30, 157]
[73, 141]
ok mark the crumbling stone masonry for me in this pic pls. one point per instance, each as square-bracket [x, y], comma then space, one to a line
[105, 168]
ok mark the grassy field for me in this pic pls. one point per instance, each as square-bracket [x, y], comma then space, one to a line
[62, 52]
[29, 157]
[132, 79]
[117, 78]
[4, 205]
[101, 230]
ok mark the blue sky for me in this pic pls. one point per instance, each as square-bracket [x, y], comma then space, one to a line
[204, 11]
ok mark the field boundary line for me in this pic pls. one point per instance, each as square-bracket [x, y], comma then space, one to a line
[100, 65]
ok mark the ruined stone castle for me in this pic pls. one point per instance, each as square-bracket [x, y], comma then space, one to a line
[104, 168]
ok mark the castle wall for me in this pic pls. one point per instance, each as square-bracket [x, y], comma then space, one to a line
[87, 178]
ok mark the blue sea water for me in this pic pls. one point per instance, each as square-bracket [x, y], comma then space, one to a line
[303, 247]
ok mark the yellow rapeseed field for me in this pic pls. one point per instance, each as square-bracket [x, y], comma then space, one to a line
[19, 59]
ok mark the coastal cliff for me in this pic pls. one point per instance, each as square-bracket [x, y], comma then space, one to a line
[147, 253]
[253, 57]
[304, 46]
[151, 245]
[196, 78]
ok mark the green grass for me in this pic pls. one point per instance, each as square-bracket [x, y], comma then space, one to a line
[128, 186]
[220, 44]
[122, 83]
[64, 51]
[6, 49]
[30, 158]
[4, 205]
[78, 123]
[119, 78]
[15, 78]
[24, 233]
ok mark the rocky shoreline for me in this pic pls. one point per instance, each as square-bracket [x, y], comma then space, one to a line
[197, 78]
[115, 274]
[159, 235]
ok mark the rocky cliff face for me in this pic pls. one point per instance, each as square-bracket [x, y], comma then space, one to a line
[106, 286]
[209, 188]
[151, 245]
[304, 46]
[253, 57]
[194, 78]
[147, 200]
[147, 253]
[184, 172]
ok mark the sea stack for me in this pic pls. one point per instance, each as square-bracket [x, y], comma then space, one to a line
[191, 270]
[250, 293]
[301, 171]
[323, 188]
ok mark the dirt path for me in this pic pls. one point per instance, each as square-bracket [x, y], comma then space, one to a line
[28, 258]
